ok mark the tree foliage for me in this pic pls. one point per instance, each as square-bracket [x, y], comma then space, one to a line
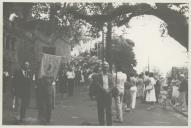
[122, 54]
[177, 22]
[71, 18]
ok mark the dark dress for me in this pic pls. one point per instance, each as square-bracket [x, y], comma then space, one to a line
[63, 83]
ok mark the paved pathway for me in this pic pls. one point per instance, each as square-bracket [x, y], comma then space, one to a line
[80, 110]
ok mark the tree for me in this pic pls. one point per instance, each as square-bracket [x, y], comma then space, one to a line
[122, 55]
[177, 22]
[97, 14]
[50, 19]
[70, 18]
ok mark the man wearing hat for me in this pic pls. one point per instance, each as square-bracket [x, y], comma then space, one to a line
[103, 83]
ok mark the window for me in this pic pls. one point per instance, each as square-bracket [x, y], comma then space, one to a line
[13, 40]
[49, 50]
[7, 43]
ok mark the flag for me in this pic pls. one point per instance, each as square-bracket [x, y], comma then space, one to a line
[50, 65]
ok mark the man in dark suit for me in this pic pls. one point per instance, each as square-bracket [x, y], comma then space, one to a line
[22, 83]
[103, 85]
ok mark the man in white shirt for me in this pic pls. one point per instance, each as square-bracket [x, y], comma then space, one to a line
[119, 80]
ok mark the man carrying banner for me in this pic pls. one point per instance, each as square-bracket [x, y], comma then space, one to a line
[45, 98]
[46, 89]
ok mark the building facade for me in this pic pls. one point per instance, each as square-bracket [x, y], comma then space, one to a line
[21, 45]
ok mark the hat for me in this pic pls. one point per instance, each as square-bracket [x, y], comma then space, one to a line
[26, 62]
[182, 75]
[105, 64]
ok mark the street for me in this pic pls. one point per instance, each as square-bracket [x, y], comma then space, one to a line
[80, 110]
[52, 48]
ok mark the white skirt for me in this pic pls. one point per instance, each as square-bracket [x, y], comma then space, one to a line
[175, 92]
[150, 96]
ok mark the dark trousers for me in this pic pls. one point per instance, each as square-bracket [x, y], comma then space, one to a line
[104, 102]
[45, 103]
[157, 96]
[70, 87]
[77, 82]
[127, 98]
[24, 105]
[45, 109]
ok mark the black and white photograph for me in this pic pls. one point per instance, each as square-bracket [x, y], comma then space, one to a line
[95, 63]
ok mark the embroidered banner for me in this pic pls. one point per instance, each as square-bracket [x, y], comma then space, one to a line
[50, 65]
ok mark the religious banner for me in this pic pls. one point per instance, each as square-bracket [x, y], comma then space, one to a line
[50, 65]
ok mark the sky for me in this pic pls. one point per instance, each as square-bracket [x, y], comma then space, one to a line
[162, 53]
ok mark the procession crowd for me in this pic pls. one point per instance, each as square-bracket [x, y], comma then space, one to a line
[104, 87]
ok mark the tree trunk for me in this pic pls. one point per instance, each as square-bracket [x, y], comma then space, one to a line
[108, 45]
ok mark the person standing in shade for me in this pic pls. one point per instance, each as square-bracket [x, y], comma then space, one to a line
[157, 88]
[92, 88]
[78, 77]
[103, 83]
[70, 78]
[140, 87]
[63, 82]
[183, 91]
[82, 78]
[22, 83]
[175, 83]
[85, 74]
[133, 91]
[120, 79]
[127, 95]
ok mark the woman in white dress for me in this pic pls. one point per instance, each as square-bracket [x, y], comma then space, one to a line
[150, 91]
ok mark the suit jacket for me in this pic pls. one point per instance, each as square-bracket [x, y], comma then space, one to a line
[183, 86]
[97, 84]
[21, 83]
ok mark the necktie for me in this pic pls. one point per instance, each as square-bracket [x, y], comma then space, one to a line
[25, 73]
